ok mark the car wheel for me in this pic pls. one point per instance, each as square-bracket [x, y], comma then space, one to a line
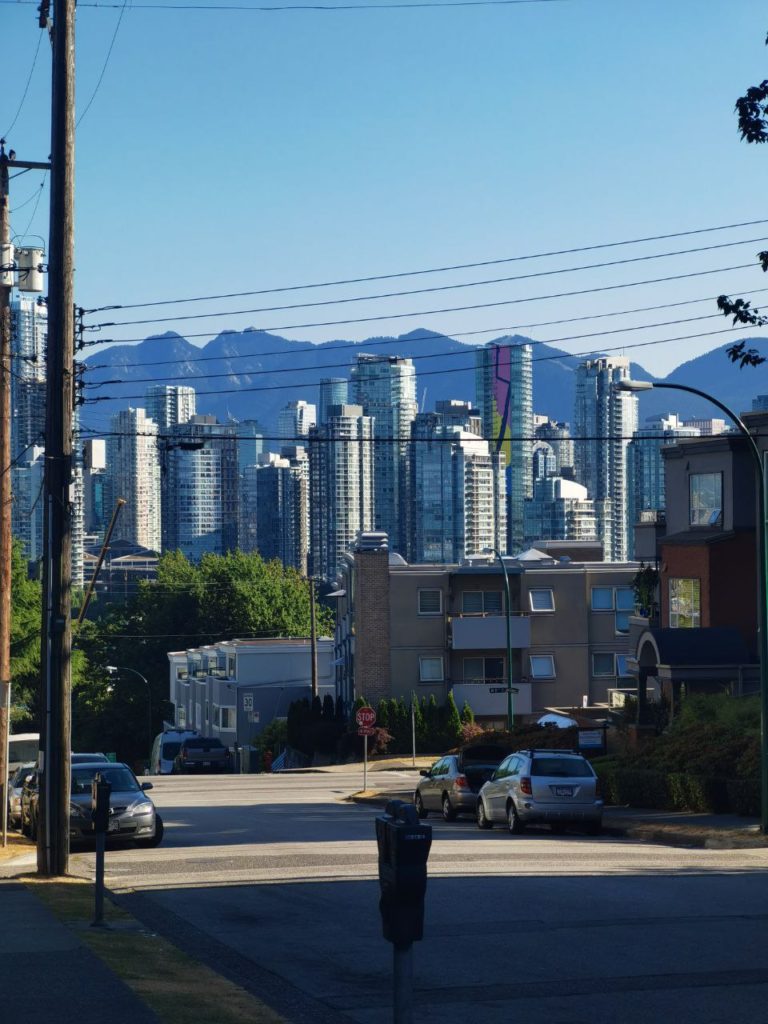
[421, 810]
[594, 828]
[513, 820]
[157, 838]
[483, 821]
[449, 812]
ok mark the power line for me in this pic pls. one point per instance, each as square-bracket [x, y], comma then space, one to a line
[434, 288]
[35, 195]
[485, 305]
[431, 270]
[375, 342]
[104, 67]
[467, 350]
[427, 373]
[227, 8]
[26, 88]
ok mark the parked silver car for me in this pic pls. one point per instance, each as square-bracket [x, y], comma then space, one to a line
[451, 785]
[15, 786]
[132, 815]
[554, 787]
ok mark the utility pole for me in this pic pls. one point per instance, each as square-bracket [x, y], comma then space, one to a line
[6, 281]
[313, 636]
[55, 742]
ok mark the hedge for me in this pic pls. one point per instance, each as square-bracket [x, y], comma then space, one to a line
[678, 791]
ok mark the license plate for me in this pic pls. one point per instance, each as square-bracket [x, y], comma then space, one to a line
[563, 790]
[113, 825]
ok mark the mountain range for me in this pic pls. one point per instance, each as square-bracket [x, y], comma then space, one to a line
[252, 375]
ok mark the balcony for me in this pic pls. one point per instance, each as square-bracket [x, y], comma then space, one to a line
[489, 632]
[477, 693]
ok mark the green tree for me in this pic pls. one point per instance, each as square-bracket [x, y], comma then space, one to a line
[467, 714]
[451, 722]
[26, 612]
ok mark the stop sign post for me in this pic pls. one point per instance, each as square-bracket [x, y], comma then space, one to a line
[366, 719]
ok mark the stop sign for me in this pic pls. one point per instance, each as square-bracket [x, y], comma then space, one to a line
[365, 716]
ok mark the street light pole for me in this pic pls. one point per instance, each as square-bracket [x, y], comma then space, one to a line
[510, 690]
[114, 669]
[761, 534]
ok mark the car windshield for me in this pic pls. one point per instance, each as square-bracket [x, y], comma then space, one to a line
[170, 750]
[561, 767]
[121, 779]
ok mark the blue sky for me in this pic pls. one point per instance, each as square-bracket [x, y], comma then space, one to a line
[228, 151]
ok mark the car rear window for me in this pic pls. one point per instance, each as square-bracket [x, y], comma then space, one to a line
[202, 744]
[170, 750]
[561, 767]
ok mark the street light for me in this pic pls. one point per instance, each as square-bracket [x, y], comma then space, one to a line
[762, 565]
[510, 690]
[113, 670]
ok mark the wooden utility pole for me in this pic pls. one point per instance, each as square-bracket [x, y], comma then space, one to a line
[55, 732]
[5, 492]
[313, 637]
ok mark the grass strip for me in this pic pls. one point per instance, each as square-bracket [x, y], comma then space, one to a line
[167, 980]
[17, 844]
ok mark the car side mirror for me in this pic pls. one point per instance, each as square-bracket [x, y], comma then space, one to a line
[147, 785]
[424, 772]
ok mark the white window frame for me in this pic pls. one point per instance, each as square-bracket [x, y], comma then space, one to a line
[541, 590]
[430, 590]
[423, 658]
[695, 617]
[612, 605]
[533, 658]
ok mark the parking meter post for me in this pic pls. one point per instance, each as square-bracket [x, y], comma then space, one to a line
[413, 726]
[403, 845]
[403, 984]
[101, 790]
[98, 916]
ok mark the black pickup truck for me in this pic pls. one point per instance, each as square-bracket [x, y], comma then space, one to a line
[202, 754]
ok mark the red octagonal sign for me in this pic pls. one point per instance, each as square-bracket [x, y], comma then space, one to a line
[365, 716]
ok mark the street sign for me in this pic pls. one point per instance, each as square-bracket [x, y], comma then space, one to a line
[503, 689]
[365, 716]
[365, 730]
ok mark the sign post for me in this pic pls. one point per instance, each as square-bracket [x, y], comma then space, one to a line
[366, 719]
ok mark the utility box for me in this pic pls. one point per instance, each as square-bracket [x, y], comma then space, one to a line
[404, 844]
[7, 276]
[29, 262]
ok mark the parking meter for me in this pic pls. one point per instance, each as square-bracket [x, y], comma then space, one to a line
[101, 791]
[404, 844]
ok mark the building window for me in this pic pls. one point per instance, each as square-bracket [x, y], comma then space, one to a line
[181, 717]
[622, 670]
[430, 670]
[706, 499]
[684, 603]
[181, 673]
[604, 664]
[227, 718]
[430, 602]
[542, 666]
[483, 670]
[481, 602]
[542, 600]
[602, 599]
[231, 667]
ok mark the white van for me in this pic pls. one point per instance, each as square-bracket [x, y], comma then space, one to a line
[166, 747]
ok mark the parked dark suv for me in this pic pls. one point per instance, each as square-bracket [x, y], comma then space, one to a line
[202, 754]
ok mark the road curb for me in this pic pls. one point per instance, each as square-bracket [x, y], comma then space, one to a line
[692, 836]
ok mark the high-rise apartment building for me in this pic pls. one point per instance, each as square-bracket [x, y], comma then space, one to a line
[558, 437]
[333, 391]
[646, 465]
[385, 387]
[200, 488]
[282, 507]
[605, 420]
[27, 490]
[341, 486]
[96, 513]
[133, 473]
[504, 381]
[559, 510]
[168, 405]
[458, 505]
[295, 420]
[250, 442]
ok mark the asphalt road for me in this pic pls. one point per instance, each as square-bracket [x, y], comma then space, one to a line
[272, 879]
